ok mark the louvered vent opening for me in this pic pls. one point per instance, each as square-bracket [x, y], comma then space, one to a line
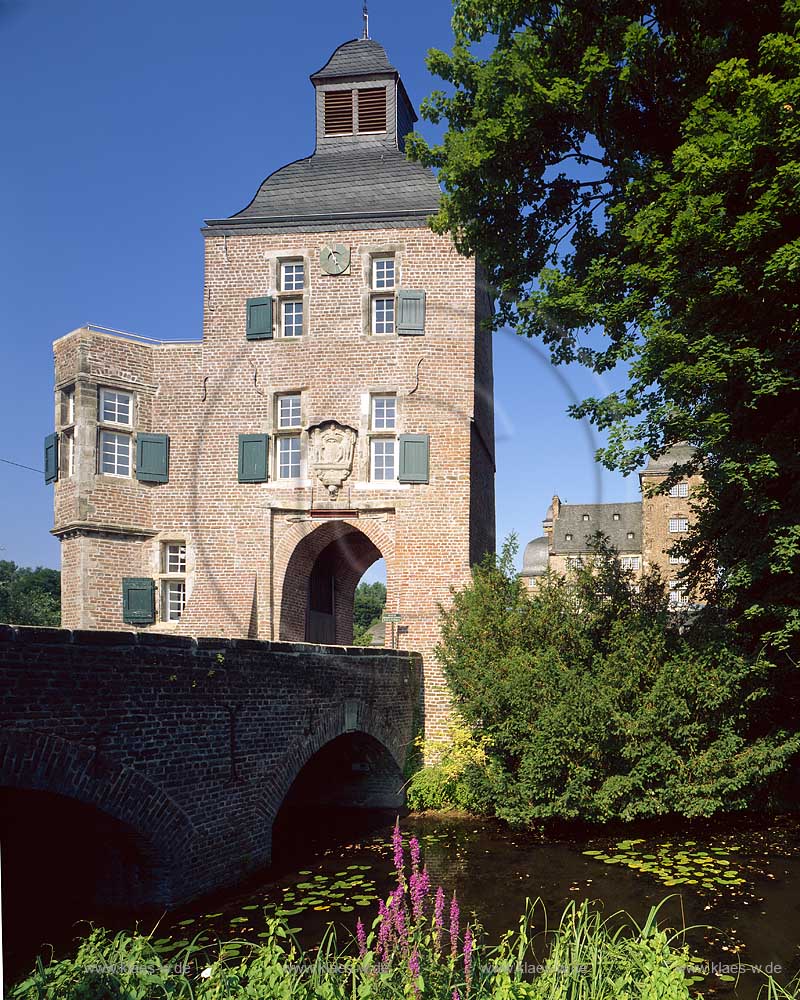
[338, 112]
[372, 110]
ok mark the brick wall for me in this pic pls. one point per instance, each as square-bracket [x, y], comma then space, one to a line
[139, 726]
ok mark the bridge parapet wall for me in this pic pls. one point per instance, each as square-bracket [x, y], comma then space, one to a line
[193, 742]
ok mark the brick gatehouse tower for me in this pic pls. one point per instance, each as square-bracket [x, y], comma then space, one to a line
[337, 410]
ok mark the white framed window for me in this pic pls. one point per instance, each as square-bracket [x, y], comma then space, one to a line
[293, 276]
[585, 517]
[383, 273]
[292, 317]
[630, 535]
[678, 524]
[384, 413]
[677, 594]
[289, 411]
[383, 314]
[574, 562]
[115, 454]
[116, 407]
[615, 516]
[679, 490]
[173, 600]
[568, 537]
[288, 457]
[174, 557]
[383, 453]
[631, 562]
[677, 560]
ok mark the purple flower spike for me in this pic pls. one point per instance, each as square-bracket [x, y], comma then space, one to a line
[454, 917]
[414, 847]
[468, 946]
[438, 918]
[397, 845]
[419, 887]
[413, 968]
[456, 995]
[361, 934]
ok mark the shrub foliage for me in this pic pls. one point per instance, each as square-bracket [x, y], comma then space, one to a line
[593, 700]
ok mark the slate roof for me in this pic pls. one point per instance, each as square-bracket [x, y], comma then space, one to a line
[368, 183]
[359, 57]
[601, 518]
[678, 454]
[340, 185]
[534, 560]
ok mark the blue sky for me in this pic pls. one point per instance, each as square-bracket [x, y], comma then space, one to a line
[127, 124]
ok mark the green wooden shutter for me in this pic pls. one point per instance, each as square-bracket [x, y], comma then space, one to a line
[414, 458]
[138, 600]
[253, 463]
[410, 313]
[51, 458]
[259, 318]
[152, 458]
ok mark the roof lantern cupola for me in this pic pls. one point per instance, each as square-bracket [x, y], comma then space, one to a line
[358, 174]
[360, 98]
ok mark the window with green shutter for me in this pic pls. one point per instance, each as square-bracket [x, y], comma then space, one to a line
[138, 600]
[414, 458]
[51, 458]
[152, 458]
[410, 313]
[253, 458]
[259, 318]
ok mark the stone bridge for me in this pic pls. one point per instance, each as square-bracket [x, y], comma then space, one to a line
[170, 757]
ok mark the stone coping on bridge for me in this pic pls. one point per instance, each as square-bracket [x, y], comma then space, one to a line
[36, 635]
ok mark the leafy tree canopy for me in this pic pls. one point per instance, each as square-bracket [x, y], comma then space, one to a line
[629, 174]
[29, 596]
[369, 603]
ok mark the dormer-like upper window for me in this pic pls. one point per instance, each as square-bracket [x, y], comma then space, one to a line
[339, 112]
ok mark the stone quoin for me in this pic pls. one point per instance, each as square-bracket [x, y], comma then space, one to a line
[337, 410]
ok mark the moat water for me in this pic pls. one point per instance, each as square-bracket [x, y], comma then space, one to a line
[737, 885]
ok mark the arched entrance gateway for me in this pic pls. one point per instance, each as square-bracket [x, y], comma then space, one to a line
[320, 579]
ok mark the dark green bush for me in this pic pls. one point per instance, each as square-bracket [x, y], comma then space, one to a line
[593, 700]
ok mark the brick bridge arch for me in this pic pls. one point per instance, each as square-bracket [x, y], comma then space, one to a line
[35, 761]
[340, 549]
[353, 717]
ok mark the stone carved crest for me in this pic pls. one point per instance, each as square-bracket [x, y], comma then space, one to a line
[332, 447]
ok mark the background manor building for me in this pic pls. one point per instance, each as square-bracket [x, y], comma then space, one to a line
[644, 533]
[337, 410]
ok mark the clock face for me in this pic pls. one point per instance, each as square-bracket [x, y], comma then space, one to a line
[335, 259]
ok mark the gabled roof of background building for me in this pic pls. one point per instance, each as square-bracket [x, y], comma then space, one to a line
[601, 518]
[678, 454]
[359, 57]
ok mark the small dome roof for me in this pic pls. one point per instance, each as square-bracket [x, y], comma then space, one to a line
[535, 557]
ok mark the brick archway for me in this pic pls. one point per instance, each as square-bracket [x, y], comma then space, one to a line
[344, 550]
[358, 717]
[47, 763]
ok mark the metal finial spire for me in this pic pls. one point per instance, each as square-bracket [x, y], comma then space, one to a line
[365, 15]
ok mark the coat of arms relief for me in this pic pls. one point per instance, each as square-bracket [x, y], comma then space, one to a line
[331, 451]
